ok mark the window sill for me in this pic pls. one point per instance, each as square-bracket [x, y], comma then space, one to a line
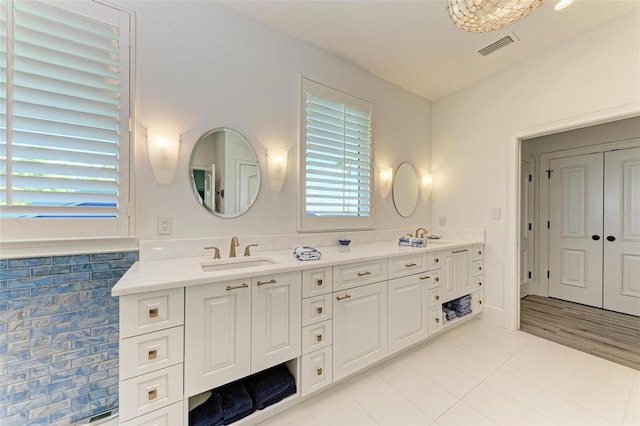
[63, 247]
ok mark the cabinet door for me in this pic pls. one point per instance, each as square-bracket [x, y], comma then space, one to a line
[359, 328]
[457, 266]
[408, 322]
[276, 319]
[217, 335]
[449, 281]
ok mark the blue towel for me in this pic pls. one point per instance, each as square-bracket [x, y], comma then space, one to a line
[209, 413]
[270, 386]
[412, 242]
[306, 253]
[236, 402]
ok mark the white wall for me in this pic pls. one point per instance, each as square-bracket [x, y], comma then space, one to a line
[202, 65]
[473, 132]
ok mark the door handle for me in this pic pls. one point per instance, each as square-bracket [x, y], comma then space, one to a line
[611, 238]
[595, 237]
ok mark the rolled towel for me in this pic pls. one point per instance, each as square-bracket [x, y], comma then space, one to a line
[236, 402]
[209, 413]
[306, 253]
[412, 242]
[270, 386]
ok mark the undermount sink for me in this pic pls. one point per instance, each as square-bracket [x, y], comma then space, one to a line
[229, 264]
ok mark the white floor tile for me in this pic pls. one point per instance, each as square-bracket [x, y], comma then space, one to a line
[462, 414]
[295, 416]
[632, 414]
[337, 407]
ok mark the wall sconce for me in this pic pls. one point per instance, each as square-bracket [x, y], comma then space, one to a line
[164, 149]
[386, 177]
[425, 186]
[276, 167]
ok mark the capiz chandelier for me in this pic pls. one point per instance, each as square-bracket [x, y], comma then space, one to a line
[479, 16]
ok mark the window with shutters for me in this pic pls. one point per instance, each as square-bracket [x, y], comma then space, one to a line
[336, 159]
[64, 120]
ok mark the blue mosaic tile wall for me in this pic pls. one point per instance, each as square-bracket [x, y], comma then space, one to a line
[59, 337]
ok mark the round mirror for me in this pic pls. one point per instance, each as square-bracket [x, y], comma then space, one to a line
[405, 189]
[225, 173]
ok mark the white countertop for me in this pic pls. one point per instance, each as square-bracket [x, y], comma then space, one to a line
[145, 276]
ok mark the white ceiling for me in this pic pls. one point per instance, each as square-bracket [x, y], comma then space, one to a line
[414, 45]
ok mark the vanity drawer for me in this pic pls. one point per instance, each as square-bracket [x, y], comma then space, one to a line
[406, 265]
[433, 279]
[317, 371]
[143, 394]
[435, 320]
[316, 282]
[316, 309]
[317, 336]
[356, 274]
[477, 305]
[434, 298]
[476, 268]
[152, 311]
[151, 351]
[476, 282]
[167, 416]
[435, 260]
[477, 252]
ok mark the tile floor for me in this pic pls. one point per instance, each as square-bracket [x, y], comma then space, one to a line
[479, 374]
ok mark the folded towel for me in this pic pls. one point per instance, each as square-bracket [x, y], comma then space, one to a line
[463, 313]
[236, 402]
[306, 253]
[412, 242]
[209, 413]
[270, 386]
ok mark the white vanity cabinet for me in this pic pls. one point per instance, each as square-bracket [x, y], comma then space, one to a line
[457, 267]
[359, 328]
[276, 319]
[218, 334]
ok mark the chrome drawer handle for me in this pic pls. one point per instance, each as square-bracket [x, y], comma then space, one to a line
[409, 265]
[319, 371]
[152, 394]
[319, 337]
[319, 282]
[346, 296]
[152, 354]
[319, 309]
[362, 274]
[235, 287]
[153, 312]
[272, 281]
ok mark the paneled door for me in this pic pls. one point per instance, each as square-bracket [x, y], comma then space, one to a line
[622, 231]
[575, 234]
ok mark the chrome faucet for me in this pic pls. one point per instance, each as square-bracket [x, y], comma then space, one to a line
[234, 244]
[418, 235]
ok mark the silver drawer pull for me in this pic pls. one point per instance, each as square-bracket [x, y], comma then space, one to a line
[152, 354]
[152, 394]
[319, 371]
[346, 296]
[319, 282]
[272, 281]
[319, 309]
[153, 312]
[425, 277]
[319, 337]
[235, 287]
[409, 265]
[362, 274]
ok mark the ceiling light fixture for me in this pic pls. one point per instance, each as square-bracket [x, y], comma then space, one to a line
[562, 4]
[479, 16]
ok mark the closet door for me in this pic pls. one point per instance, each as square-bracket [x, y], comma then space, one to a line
[575, 237]
[622, 231]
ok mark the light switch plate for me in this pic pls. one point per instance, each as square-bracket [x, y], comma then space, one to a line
[495, 213]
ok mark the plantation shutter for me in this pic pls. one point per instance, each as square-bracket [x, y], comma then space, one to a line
[65, 110]
[337, 158]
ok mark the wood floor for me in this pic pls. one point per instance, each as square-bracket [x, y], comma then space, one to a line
[610, 335]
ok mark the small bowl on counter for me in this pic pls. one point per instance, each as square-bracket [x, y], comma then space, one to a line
[344, 242]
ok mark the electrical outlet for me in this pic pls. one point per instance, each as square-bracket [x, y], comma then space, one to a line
[442, 221]
[164, 225]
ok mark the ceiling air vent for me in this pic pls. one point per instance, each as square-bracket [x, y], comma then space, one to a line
[504, 41]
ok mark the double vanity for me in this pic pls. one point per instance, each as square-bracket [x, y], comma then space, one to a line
[193, 324]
